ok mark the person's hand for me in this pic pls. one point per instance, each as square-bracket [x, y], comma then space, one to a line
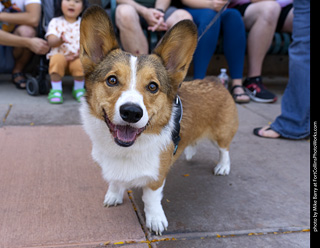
[159, 26]
[63, 38]
[217, 5]
[37, 45]
[71, 56]
[155, 20]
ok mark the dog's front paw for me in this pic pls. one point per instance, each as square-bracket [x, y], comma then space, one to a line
[222, 169]
[157, 222]
[112, 199]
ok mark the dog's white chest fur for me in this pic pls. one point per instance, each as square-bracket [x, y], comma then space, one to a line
[133, 166]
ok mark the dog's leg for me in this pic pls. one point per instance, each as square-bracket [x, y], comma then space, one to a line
[155, 217]
[223, 167]
[190, 151]
[114, 195]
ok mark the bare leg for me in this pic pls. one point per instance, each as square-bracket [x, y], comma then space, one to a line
[131, 35]
[260, 19]
[22, 55]
[55, 77]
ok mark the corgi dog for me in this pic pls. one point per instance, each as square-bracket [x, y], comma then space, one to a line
[139, 115]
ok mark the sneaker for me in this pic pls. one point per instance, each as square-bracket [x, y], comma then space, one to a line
[257, 91]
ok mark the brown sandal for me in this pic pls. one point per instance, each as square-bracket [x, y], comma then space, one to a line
[235, 96]
[21, 83]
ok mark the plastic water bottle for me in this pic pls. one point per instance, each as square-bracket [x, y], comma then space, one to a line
[224, 78]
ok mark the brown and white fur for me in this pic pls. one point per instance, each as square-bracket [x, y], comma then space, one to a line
[129, 112]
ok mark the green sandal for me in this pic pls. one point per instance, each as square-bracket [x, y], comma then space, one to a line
[77, 94]
[55, 94]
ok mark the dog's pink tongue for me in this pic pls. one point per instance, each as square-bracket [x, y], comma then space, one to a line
[126, 133]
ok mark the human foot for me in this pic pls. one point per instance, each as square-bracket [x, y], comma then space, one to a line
[55, 96]
[239, 95]
[266, 132]
[19, 79]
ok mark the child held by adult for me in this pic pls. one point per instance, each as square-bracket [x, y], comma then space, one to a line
[63, 37]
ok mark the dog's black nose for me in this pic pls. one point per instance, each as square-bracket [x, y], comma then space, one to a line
[131, 113]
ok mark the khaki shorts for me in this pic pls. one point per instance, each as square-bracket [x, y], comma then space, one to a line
[59, 65]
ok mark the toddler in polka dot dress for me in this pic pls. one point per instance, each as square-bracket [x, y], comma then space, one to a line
[63, 37]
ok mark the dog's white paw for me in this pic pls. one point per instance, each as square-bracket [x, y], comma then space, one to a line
[112, 199]
[190, 151]
[156, 222]
[222, 169]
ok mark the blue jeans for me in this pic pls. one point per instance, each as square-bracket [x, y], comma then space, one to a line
[294, 121]
[234, 40]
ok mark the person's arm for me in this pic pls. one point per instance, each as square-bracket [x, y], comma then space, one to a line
[205, 4]
[37, 45]
[30, 17]
[55, 41]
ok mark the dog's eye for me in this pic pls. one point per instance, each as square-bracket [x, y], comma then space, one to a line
[153, 87]
[112, 81]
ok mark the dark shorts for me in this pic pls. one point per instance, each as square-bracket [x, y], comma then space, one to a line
[283, 14]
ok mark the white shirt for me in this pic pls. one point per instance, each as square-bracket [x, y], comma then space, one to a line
[22, 4]
[71, 31]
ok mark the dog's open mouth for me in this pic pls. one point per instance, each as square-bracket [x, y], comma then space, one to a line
[123, 135]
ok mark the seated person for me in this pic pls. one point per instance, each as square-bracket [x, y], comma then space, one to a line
[156, 15]
[20, 17]
[230, 24]
[63, 36]
[260, 19]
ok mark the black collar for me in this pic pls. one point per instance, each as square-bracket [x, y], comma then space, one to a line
[177, 119]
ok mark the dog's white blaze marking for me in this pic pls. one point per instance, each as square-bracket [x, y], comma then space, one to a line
[131, 95]
[133, 67]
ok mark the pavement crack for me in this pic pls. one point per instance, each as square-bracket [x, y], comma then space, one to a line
[7, 114]
[140, 219]
[229, 234]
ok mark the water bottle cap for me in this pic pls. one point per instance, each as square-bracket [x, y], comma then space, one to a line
[223, 70]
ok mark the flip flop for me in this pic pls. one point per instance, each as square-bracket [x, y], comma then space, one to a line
[55, 96]
[78, 94]
[256, 132]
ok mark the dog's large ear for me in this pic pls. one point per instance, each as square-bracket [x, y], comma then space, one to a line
[97, 37]
[176, 49]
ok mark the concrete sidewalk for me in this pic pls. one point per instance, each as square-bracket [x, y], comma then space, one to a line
[51, 192]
